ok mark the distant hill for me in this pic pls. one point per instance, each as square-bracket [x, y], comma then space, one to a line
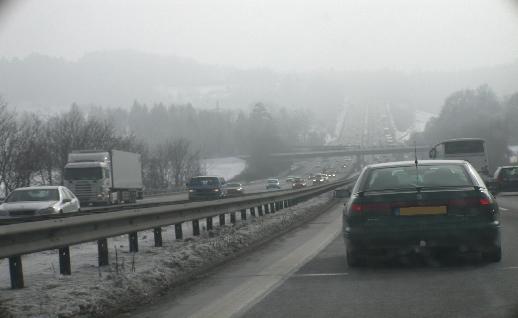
[117, 78]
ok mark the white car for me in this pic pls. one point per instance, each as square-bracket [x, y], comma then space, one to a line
[42, 200]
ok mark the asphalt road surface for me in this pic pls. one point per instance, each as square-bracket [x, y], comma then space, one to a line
[304, 274]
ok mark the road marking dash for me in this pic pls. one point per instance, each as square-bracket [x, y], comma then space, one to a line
[320, 274]
[510, 267]
[504, 209]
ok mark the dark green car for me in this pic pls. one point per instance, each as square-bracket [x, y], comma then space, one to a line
[403, 207]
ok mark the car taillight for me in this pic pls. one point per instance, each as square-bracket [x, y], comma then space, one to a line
[356, 208]
[484, 201]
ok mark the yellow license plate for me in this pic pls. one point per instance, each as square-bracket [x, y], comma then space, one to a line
[423, 210]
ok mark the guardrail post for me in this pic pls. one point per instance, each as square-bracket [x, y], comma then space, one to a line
[133, 242]
[64, 261]
[272, 207]
[243, 214]
[102, 250]
[233, 217]
[260, 210]
[209, 223]
[221, 219]
[178, 231]
[195, 227]
[157, 233]
[252, 211]
[16, 271]
[266, 209]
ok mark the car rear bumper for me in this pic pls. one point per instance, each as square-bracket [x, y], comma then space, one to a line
[476, 236]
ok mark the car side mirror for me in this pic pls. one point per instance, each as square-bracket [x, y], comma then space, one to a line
[67, 200]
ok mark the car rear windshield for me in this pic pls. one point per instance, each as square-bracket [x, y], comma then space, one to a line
[422, 176]
[464, 146]
[33, 195]
[204, 181]
[510, 172]
[273, 181]
[234, 185]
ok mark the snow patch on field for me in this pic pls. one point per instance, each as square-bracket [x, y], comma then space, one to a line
[421, 118]
[137, 278]
[228, 167]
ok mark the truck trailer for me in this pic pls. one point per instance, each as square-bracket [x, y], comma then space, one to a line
[104, 177]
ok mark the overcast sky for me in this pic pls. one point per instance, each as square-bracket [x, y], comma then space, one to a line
[277, 34]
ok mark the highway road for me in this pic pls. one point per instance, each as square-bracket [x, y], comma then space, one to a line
[304, 274]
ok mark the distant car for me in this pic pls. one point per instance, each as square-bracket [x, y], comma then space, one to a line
[36, 201]
[506, 179]
[290, 179]
[298, 183]
[206, 188]
[396, 208]
[234, 189]
[318, 179]
[273, 184]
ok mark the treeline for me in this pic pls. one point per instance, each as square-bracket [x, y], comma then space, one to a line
[216, 132]
[477, 113]
[172, 140]
[34, 149]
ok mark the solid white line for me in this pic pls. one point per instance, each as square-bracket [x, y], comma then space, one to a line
[510, 267]
[320, 274]
[253, 290]
[504, 209]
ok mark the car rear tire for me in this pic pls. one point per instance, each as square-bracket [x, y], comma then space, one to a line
[494, 255]
[353, 260]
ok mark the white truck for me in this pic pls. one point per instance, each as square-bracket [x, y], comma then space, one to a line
[104, 177]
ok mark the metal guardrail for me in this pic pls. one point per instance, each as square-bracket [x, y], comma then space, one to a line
[26, 238]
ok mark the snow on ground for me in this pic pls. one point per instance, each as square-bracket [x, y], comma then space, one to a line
[421, 118]
[228, 167]
[132, 279]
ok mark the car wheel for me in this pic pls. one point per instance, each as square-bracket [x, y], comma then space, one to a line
[493, 255]
[353, 260]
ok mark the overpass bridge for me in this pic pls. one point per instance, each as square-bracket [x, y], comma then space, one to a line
[342, 151]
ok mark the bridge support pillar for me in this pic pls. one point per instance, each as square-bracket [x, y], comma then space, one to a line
[260, 210]
[221, 219]
[243, 214]
[252, 211]
[266, 209]
[272, 207]
[233, 218]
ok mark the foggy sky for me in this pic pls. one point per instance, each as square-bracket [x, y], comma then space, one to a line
[283, 35]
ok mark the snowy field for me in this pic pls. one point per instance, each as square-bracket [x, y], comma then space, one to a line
[137, 278]
[228, 167]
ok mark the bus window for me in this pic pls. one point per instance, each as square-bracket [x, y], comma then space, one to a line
[465, 146]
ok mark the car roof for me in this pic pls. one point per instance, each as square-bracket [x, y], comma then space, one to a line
[419, 162]
[39, 188]
[505, 167]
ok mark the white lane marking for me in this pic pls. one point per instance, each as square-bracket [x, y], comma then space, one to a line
[253, 290]
[504, 209]
[510, 267]
[320, 274]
